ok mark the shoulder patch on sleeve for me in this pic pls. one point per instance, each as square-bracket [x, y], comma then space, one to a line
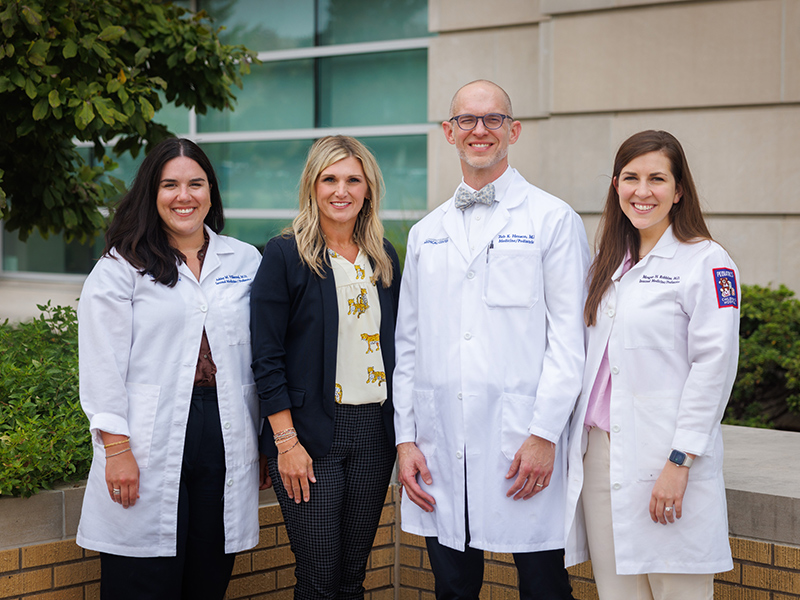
[725, 283]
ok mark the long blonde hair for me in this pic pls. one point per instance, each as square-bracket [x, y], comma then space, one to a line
[368, 232]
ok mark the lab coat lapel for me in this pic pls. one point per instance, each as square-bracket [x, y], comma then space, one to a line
[453, 224]
[515, 195]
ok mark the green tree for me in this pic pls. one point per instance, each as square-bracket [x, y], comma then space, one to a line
[92, 71]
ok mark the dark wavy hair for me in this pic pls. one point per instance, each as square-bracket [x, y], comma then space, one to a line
[617, 236]
[136, 232]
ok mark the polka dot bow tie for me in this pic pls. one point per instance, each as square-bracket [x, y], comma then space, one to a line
[465, 199]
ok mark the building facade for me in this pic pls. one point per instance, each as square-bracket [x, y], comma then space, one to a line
[722, 75]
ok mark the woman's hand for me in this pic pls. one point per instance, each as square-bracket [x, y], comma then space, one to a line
[122, 477]
[296, 469]
[666, 501]
[264, 480]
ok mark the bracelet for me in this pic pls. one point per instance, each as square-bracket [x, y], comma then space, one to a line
[292, 447]
[286, 439]
[284, 435]
[118, 453]
[125, 441]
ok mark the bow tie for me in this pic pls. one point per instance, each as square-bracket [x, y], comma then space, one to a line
[465, 199]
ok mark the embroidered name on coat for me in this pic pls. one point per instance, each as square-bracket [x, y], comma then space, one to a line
[516, 238]
[725, 284]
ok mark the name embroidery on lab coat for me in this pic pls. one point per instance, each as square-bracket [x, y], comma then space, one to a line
[516, 238]
[725, 282]
[232, 279]
[436, 241]
[672, 279]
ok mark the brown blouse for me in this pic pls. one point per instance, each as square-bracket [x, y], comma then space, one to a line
[204, 375]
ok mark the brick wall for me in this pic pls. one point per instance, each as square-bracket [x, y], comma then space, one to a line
[63, 571]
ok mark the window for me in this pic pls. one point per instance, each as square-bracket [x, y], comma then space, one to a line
[356, 67]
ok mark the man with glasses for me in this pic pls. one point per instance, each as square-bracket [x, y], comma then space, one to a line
[490, 358]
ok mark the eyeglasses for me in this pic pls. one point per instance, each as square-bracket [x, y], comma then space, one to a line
[490, 121]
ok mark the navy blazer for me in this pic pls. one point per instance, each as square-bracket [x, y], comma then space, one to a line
[294, 324]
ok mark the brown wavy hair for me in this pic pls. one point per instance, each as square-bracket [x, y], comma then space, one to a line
[617, 236]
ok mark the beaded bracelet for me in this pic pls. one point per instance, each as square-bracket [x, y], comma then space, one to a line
[288, 449]
[125, 441]
[285, 435]
[118, 453]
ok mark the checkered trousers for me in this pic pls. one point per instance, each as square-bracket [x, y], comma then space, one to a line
[332, 534]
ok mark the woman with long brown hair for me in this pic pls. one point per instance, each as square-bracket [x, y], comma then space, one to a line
[645, 455]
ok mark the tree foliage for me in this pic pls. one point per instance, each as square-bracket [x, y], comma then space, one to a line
[767, 388]
[92, 71]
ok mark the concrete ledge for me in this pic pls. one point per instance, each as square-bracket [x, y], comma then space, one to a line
[762, 480]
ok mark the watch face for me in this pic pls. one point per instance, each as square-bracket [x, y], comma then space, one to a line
[677, 457]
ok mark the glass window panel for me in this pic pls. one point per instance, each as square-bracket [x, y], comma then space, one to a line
[403, 162]
[255, 231]
[274, 96]
[386, 88]
[350, 21]
[258, 174]
[51, 255]
[263, 25]
[174, 118]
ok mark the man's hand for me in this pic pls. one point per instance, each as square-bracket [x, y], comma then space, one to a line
[411, 462]
[533, 465]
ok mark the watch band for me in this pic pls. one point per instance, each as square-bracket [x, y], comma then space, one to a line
[680, 458]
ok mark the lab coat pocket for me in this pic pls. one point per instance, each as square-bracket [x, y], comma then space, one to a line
[513, 277]
[142, 408]
[517, 415]
[235, 307]
[427, 421]
[655, 418]
[252, 419]
[650, 318]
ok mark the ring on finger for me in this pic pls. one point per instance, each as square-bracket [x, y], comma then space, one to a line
[540, 485]
[116, 491]
[668, 509]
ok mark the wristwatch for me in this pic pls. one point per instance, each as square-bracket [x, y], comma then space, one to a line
[680, 458]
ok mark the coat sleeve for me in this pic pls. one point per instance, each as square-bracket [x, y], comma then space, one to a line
[270, 307]
[565, 265]
[713, 351]
[105, 330]
[405, 343]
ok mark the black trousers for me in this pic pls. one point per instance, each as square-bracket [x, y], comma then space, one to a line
[459, 575]
[200, 569]
[332, 534]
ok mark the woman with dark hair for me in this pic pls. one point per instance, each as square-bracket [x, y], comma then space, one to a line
[323, 312]
[645, 451]
[173, 489]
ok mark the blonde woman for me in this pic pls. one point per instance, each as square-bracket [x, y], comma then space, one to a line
[323, 311]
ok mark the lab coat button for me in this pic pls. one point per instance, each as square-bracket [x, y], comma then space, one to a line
[615, 429]
[471, 275]
[614, 370]
[230, 482]
[458, 454]
[203, 307]
[460, 395]
[468, 336]
[611, 312]
[227, 425]
[617, 486]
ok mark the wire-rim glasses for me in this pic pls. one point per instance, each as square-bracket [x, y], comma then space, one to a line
[490, 121]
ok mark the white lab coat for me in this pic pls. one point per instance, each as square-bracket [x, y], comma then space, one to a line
[490, 348]
[139, 343]
[673, 353]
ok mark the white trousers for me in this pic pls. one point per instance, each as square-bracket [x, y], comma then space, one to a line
[596, 496]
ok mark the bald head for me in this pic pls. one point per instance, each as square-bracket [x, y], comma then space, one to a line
[483, 84]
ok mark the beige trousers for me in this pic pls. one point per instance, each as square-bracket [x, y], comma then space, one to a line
[596, 495]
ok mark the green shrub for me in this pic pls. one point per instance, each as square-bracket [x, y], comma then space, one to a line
[767, 388]
[44, 435]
